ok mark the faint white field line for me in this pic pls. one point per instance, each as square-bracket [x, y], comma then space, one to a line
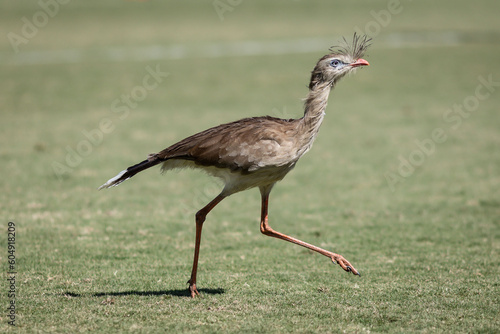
[166, 52]
[222, 49]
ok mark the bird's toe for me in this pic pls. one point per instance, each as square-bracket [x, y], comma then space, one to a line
[194, 292]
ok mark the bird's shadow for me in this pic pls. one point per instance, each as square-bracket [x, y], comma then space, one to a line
[174, 293]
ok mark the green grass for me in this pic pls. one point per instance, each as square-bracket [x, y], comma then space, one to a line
[117, 260]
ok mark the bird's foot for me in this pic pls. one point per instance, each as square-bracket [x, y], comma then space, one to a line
[339, 259]
[192, 289]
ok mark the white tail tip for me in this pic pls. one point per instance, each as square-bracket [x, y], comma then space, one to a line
[113, 182]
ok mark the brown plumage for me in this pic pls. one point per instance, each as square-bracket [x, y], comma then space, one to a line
[258, 151]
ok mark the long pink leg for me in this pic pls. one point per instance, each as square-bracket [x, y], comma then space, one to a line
[200, 218]
[267, 230]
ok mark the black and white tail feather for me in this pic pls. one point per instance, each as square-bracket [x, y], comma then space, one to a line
[126, 174]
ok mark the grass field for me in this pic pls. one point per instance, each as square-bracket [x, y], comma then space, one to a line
[403, 179]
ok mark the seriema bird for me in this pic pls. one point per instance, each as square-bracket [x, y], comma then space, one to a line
[258, 151]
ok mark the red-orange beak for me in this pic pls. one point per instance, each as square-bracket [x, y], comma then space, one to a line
[360, 62]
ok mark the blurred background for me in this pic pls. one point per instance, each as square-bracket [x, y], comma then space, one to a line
[409, 149]
[68, 65]
[75, 105]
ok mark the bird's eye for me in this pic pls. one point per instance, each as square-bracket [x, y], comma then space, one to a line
[335, 62]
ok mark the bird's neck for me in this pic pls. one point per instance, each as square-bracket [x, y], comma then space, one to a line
[315, 105]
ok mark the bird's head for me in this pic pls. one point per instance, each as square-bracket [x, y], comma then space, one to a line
[341, 60]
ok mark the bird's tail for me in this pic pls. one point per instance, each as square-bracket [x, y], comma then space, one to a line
[131, 171]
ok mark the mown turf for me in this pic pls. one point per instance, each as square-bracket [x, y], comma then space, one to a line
[426, 242]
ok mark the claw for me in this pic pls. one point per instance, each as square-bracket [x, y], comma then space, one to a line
[194, 292]
[192, 289]
[344, 264]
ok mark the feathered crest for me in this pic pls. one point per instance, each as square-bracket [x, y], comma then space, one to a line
[356, 49]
